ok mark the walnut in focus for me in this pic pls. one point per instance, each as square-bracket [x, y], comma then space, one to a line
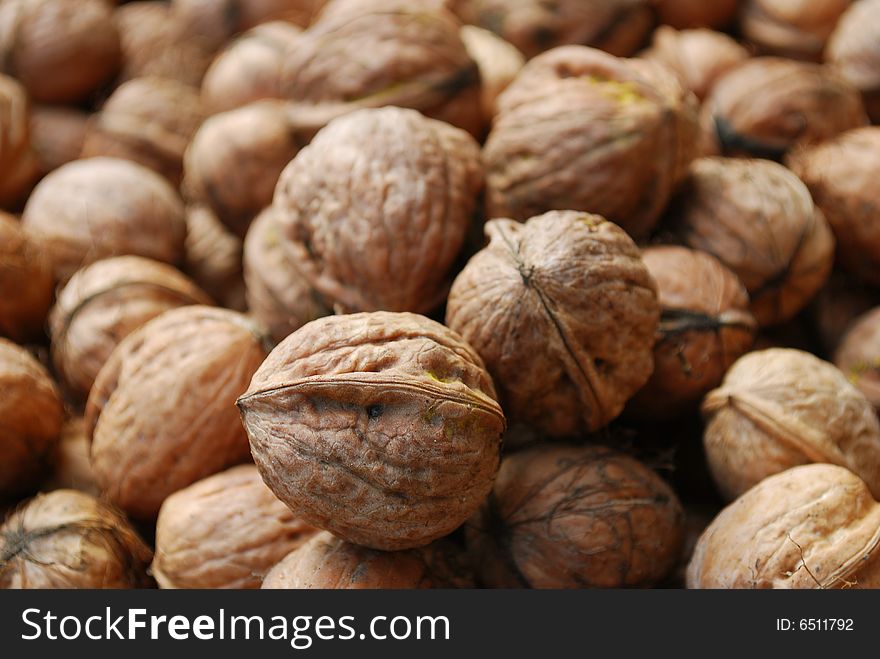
[499, 63]
[105, 302]
[214, 258]
[381, 428]
[579, 129]
[797, 29]
[563, 311]
[780, 408]
[162, 414]
[69, 539]
[814, 526]
[682, 14]
[858, 355]
[575, 517]
[57, 135]
[26, 285]
[18, 163]
[854, 50]
[225, 531]
[71, 467]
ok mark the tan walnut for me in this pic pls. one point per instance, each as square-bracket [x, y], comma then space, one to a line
[499, 63]
[854, 50]
[796, 29]
[25, 281]
[214, 258]
[858, 355]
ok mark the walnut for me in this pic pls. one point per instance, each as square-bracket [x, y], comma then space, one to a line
[498, 61]
[235, 159]
[31, 413]
[326, 562]
[25, 281]
[60, 50]
[57, 135]
[379, 427]
[682, 14]
[214, 258]
[858, 355]
[71, 465]
[149, 121]
[705, 325]
[100, 207]
[842, 174]
[563, 311]
[759, 220]
[698, 57]
[161, 413]
[574, 517]
[249, 69]
[278, 296]
[18, 163]
[854, 50]
[780, 408]
[105, 302]
[579, 129]
[379, 196]
[225, 531]
[69, 539]
[791, 29]
[836, 306]
[767, 105]
[813, 526]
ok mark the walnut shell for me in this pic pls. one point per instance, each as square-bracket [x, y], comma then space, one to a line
[858, 355]
[26, 284]
[579, 129]
[379, 427]
[278, 295]
[796, 29]
[101, 207]
[57, 135]
[71, 464]
[235, 159]
[780, 408]
[380, 196]
[149, 121]
[768, 105]
[327, 562]
[842, 175]
[105, 302]
[563, 311]
[498, 61]
[815, 526]
[682, 14]
[854, 50]
[836, 306]
[60, 50]
[225, 531]
[705, 326]
[575, 517]
[161, 413]
[18, 166]
[32, 412]
[698, 57]
[759, 220]
[69, 539]
[214, 258]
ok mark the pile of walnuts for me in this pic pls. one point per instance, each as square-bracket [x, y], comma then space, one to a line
[442, 294]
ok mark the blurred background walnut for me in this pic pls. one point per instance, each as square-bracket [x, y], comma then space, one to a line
[214, 258]
[854, 50]
[498, 61]
[26, 284]
[858, 355]
[19, 167]
[57, 134]
[684, 14]
[796, 29]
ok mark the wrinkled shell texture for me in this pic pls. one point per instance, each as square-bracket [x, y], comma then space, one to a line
[705, 325]
[61, 50]
[576, 517]
[842, 176]
[759, 220]
[768, 105]
[31, 413]
[854, 49]
[563, 311]
[14, 138]
[498, 61]
[57, 135]
[797, 29]
[815, 526]
[380, 196]
[226, 531]
[69, 539]
[381, 428]
[162, 411]
[780, 408]
[105, 302]
[683, 14]
[26, 284]
[858, 355]
[579, 129]
[101, 207]
[71, 465]
[214, 258]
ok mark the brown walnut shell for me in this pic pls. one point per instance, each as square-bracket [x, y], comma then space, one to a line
[57, 135]
[842, 175]
[26, 285]
[225, 531]
[69, 539]
[499, 63]
[105, 302]
[31, 413]
[768, 105]
[563, 311]
[162, 413]
[781, 408]
[380, 196]
[92, 209]
[684, 14]
[149, 121]
[18, 166]
[579, 129]
[858, 355]
[815, 526]
[214, 258]
[759, 220]
[796, 29]
[379, 427]
[705, 326]
[60, 50]
[834, 309]
[576, 517]
[71, 464]
[854, 50]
